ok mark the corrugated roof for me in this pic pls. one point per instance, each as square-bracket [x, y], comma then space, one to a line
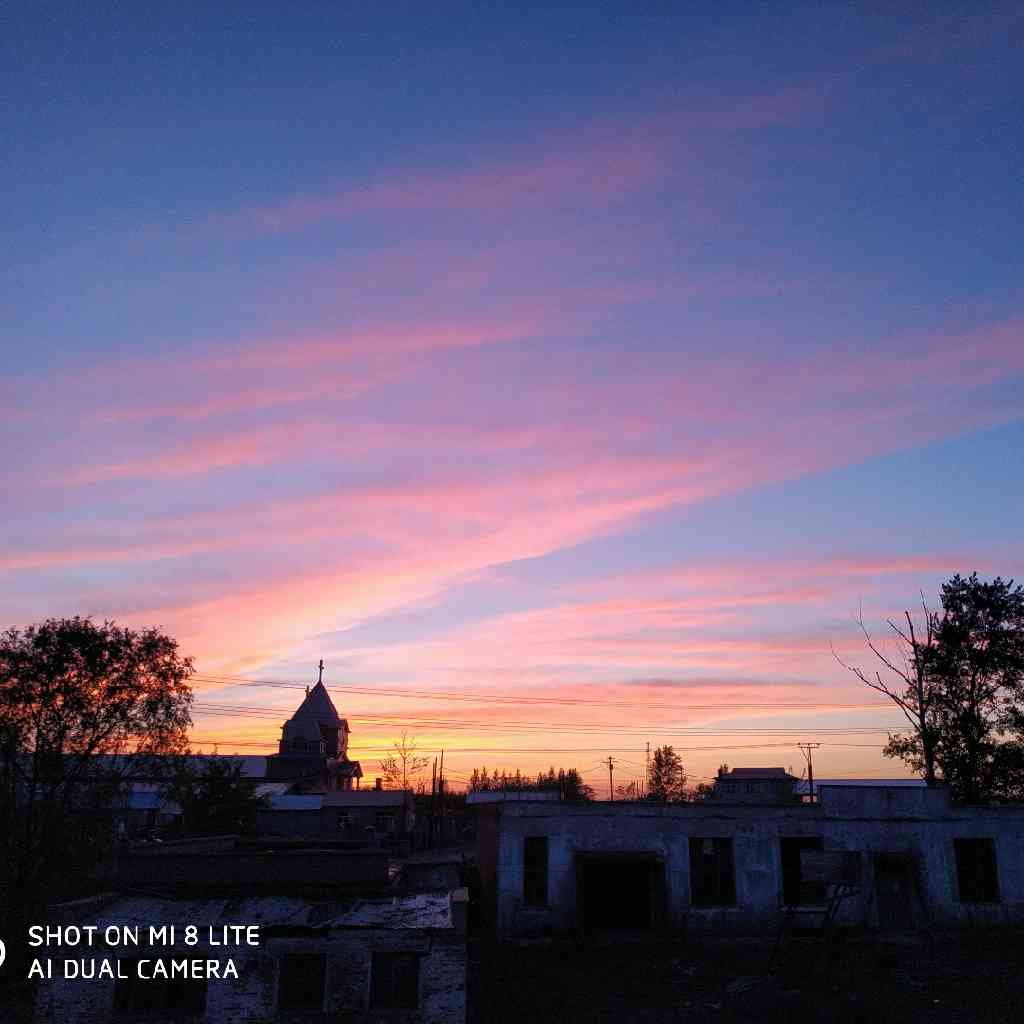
[296, 802]
[423, 910]
[150, 802]
[273, 788]
[254, 766]
[365, 798]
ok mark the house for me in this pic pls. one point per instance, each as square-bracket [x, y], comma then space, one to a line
[368, 813]
[364, 816]
[755, 786]
[719, 866]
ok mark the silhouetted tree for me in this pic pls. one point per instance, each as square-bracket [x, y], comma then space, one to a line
[702, 791]
[964, 697]
[666, 778]
[567, 781]
[403, 763]
[1002, 772]
[215, 796]
[70, 691]
[909, 682]
[980, 665]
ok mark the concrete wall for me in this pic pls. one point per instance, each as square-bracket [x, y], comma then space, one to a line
[288, 823]
[324, 822]
[251, 868]
[869, 820]
[252, 998]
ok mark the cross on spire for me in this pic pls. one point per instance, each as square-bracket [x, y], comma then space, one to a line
[321, 679]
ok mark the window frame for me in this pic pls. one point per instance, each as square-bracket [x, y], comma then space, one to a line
[976, 873]
[808, 893]
[699, 869]
[390, 997]
[536, 872]
[389, 819]
[292, 1007]
[127, 993]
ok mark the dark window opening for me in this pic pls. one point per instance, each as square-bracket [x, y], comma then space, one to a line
[712, 878]
[301, 980]
[796, 888]
[182, 998]
[395, 981]
[535, 871]
[622, 892]
[976, 874]
[897, 894]
[385, 821]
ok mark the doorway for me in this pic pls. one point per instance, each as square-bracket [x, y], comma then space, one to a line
[620, 892]
[896, 894]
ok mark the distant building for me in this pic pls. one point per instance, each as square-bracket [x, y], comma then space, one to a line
[314, 746]
[756, 786]
[355, 815]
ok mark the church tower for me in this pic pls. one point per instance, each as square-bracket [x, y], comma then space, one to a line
[314, 743]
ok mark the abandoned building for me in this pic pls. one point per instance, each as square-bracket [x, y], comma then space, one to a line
[913, 859]
[339, 938]
[368, 959]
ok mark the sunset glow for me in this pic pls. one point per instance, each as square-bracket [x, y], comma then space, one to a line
[562, 401]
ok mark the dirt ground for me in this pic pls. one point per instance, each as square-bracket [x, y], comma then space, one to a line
[976, 977]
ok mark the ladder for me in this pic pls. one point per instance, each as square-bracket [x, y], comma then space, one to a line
[825, 913]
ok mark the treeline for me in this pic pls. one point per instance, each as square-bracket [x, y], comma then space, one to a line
[665, 781]
[566, 781]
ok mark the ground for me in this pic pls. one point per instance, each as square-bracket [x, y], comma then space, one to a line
[962, 978]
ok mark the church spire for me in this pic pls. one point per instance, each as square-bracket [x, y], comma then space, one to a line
[321, 679]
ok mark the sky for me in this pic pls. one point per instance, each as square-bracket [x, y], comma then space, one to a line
[567, 377]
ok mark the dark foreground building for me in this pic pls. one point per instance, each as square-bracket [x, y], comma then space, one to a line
[911, 860]
[337, 940]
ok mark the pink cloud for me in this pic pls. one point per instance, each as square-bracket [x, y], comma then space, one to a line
[594, 165]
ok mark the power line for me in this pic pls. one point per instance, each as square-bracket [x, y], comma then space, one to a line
[220, 741]
[241, 711]
[457, 695]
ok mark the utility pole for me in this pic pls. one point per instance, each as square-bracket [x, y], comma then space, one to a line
[805, 749]
[433, 807]
[440, 799]
[611, 765]
[647, 769]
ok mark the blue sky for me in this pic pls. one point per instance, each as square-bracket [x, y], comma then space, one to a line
[596, 350]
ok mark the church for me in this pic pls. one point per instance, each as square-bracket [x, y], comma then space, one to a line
[313, 749]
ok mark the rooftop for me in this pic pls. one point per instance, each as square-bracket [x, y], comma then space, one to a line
[318, 706]
[365, 798]
[422, 910]
[746, 774]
